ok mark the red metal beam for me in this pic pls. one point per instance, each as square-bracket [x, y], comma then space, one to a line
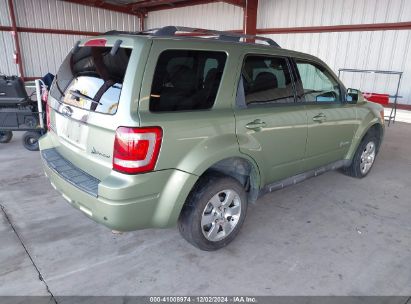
[105, 5]
[250, 18]
[266, 31]
[338, 28]
[179, 5]
[240, 3]
[141, 18]
[49, 31]
[16, 37]
[152, 3]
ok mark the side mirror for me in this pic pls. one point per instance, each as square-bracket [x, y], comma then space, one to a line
[352, 96]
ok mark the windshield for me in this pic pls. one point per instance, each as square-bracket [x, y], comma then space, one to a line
[92, 79]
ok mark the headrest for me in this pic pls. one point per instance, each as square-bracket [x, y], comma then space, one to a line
[183, 78]
[265, 81]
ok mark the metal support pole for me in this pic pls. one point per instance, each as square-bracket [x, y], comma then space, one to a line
[39, 103]
[250, 17]
[141, 18]
[393, 112]
[16, 37]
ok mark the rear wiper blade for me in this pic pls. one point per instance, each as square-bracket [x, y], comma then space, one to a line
[58, 87]
[81, 95]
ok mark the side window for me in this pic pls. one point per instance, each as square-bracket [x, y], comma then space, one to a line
[317, 83]
[186, 80]
[266, 80]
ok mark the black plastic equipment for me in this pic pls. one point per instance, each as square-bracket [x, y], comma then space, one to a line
[18, 112]
[12, 91]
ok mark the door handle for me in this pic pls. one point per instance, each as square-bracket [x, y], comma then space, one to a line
[256, 125]
[320, 118]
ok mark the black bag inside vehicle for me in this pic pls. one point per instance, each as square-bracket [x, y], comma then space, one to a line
[12, 91]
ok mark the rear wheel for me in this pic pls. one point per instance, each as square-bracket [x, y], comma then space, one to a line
[213, 213]
[31, 140]
[364, 156]
[5, 136]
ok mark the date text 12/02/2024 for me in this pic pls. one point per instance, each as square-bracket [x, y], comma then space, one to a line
[204, 299]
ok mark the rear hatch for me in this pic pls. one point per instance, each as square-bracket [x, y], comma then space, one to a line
[91, 97]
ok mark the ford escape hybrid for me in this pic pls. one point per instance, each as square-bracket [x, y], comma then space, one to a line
[154, 129]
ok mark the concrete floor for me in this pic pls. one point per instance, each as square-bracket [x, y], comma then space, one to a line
[330, 235]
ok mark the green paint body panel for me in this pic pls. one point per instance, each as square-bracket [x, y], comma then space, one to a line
[193, 141]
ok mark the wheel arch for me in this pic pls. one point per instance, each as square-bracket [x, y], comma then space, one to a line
[243, 170]
[373, 127]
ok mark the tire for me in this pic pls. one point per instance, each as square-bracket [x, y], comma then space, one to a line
[5, 136]
[364, 157]
[31, 140]
[213, 213]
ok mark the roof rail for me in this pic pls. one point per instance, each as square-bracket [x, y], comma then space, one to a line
[172, 30]
[227, 36]
[115, 32]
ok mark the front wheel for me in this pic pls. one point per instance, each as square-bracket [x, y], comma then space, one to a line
[364, 157]
[31, 140]
[213, 213]
[5, 136]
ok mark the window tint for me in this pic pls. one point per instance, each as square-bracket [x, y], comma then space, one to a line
[317, 83]
[92, 79]
[186, 80]
[267, 80]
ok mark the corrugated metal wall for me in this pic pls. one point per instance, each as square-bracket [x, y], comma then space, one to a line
[292, 13]
[7, 65]
[218, 16]
[387, 50]
[43, 53]
[4, 13]
[382, 50]
[54, 14]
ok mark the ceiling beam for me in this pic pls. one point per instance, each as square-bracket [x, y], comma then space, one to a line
[146, 6]
[240, 3]
[179, 4]
[107, 6]
[151, 3]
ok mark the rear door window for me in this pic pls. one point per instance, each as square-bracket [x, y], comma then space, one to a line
[267, 80]
[92, 79]
[186, 80]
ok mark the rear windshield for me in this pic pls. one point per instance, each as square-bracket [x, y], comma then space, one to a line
[92, 79]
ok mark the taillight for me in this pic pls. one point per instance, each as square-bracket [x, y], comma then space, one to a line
[136, 149]
[44, 95]
[48, 116]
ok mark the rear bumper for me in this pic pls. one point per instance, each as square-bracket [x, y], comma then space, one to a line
[127, 202]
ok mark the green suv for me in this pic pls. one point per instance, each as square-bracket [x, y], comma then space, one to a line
[156, 128]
